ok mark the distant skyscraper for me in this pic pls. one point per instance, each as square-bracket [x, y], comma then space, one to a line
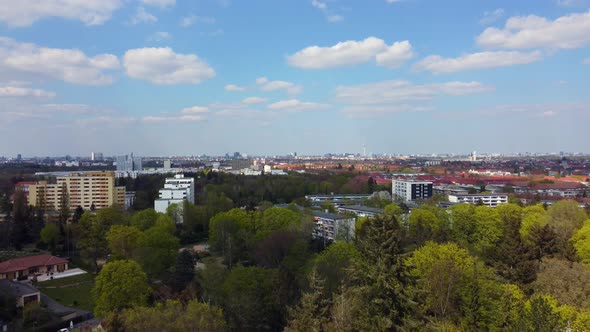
[129, 163]
[167, 164]
[19, 157]
[96, 156]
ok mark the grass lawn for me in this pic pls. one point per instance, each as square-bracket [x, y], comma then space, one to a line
[72, 291]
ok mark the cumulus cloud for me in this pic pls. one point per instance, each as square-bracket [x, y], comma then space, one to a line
[253, 100]
[525, 32]
[234, 88]
[289, 87]
[165, 67]
[195, 110]
[472, 61]
[24, 13]
[17, 92]
[69, 65]
[395, 55]
[142, 16]
[159, 3]
[296, 105]
[490, 17]
[352, 52]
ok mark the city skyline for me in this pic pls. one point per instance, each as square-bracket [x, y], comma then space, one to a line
[175, 77]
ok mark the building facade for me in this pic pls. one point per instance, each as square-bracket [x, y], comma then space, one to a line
[491, 200]
[332, 227]
[411, 190]
[176, 190]
[78, 189]
[129, 163]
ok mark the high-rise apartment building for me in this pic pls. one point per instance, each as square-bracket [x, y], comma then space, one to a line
[410, 190]
[96, 156]
[176, 190]
[129, 163]
[79, 189]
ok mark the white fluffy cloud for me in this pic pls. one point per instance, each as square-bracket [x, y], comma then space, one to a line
[17, 91]
[522, 32]
[234, 88]
[142, 16]
[289, 87]
[352, 52]
[69, 65]
[395, 55]
[195, 110]
[163, 66]
[481, 60]
[296, 105]
[334, 18]
[159, 3]
[253, 100]
[23, 13]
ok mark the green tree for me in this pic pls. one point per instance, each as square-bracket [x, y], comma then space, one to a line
[312, 311]
[144, 219]
[275, 219]
[157, 251]
[581, 242]
[381, 275]
[393, 209]
[541, 314]
[51, 236]
[184, 270]
[488, 229]
[114, 215]
[533, 216]
[174, 316]
[332, 265]
[440, 270]
[423, 225]
[93, 242]
[120, 285]
[566, 217]
[250, 297]
[122, 241]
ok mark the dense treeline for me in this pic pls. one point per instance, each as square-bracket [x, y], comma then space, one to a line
[249, 191]
[466, 268]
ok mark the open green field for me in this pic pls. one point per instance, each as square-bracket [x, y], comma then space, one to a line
[72, 291]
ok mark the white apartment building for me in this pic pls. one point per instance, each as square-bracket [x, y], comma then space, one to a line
[410, 189]
[176, 190]
[491, 200]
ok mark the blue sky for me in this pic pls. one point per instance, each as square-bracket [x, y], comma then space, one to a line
[166, 77]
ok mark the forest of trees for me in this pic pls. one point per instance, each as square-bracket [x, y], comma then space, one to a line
[465, 268]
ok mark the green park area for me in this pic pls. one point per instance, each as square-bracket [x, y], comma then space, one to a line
[74, 292]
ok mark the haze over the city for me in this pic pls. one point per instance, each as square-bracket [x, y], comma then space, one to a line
[166, 77]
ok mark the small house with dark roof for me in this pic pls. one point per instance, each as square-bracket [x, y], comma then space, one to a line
[22, 292]
[33, 265]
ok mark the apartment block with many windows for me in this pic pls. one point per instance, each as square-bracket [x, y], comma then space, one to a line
[410, 189]
[79, 189]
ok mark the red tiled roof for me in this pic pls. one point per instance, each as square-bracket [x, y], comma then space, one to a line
[24, 263]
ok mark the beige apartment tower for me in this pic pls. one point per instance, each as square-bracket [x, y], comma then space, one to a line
[79, 189]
